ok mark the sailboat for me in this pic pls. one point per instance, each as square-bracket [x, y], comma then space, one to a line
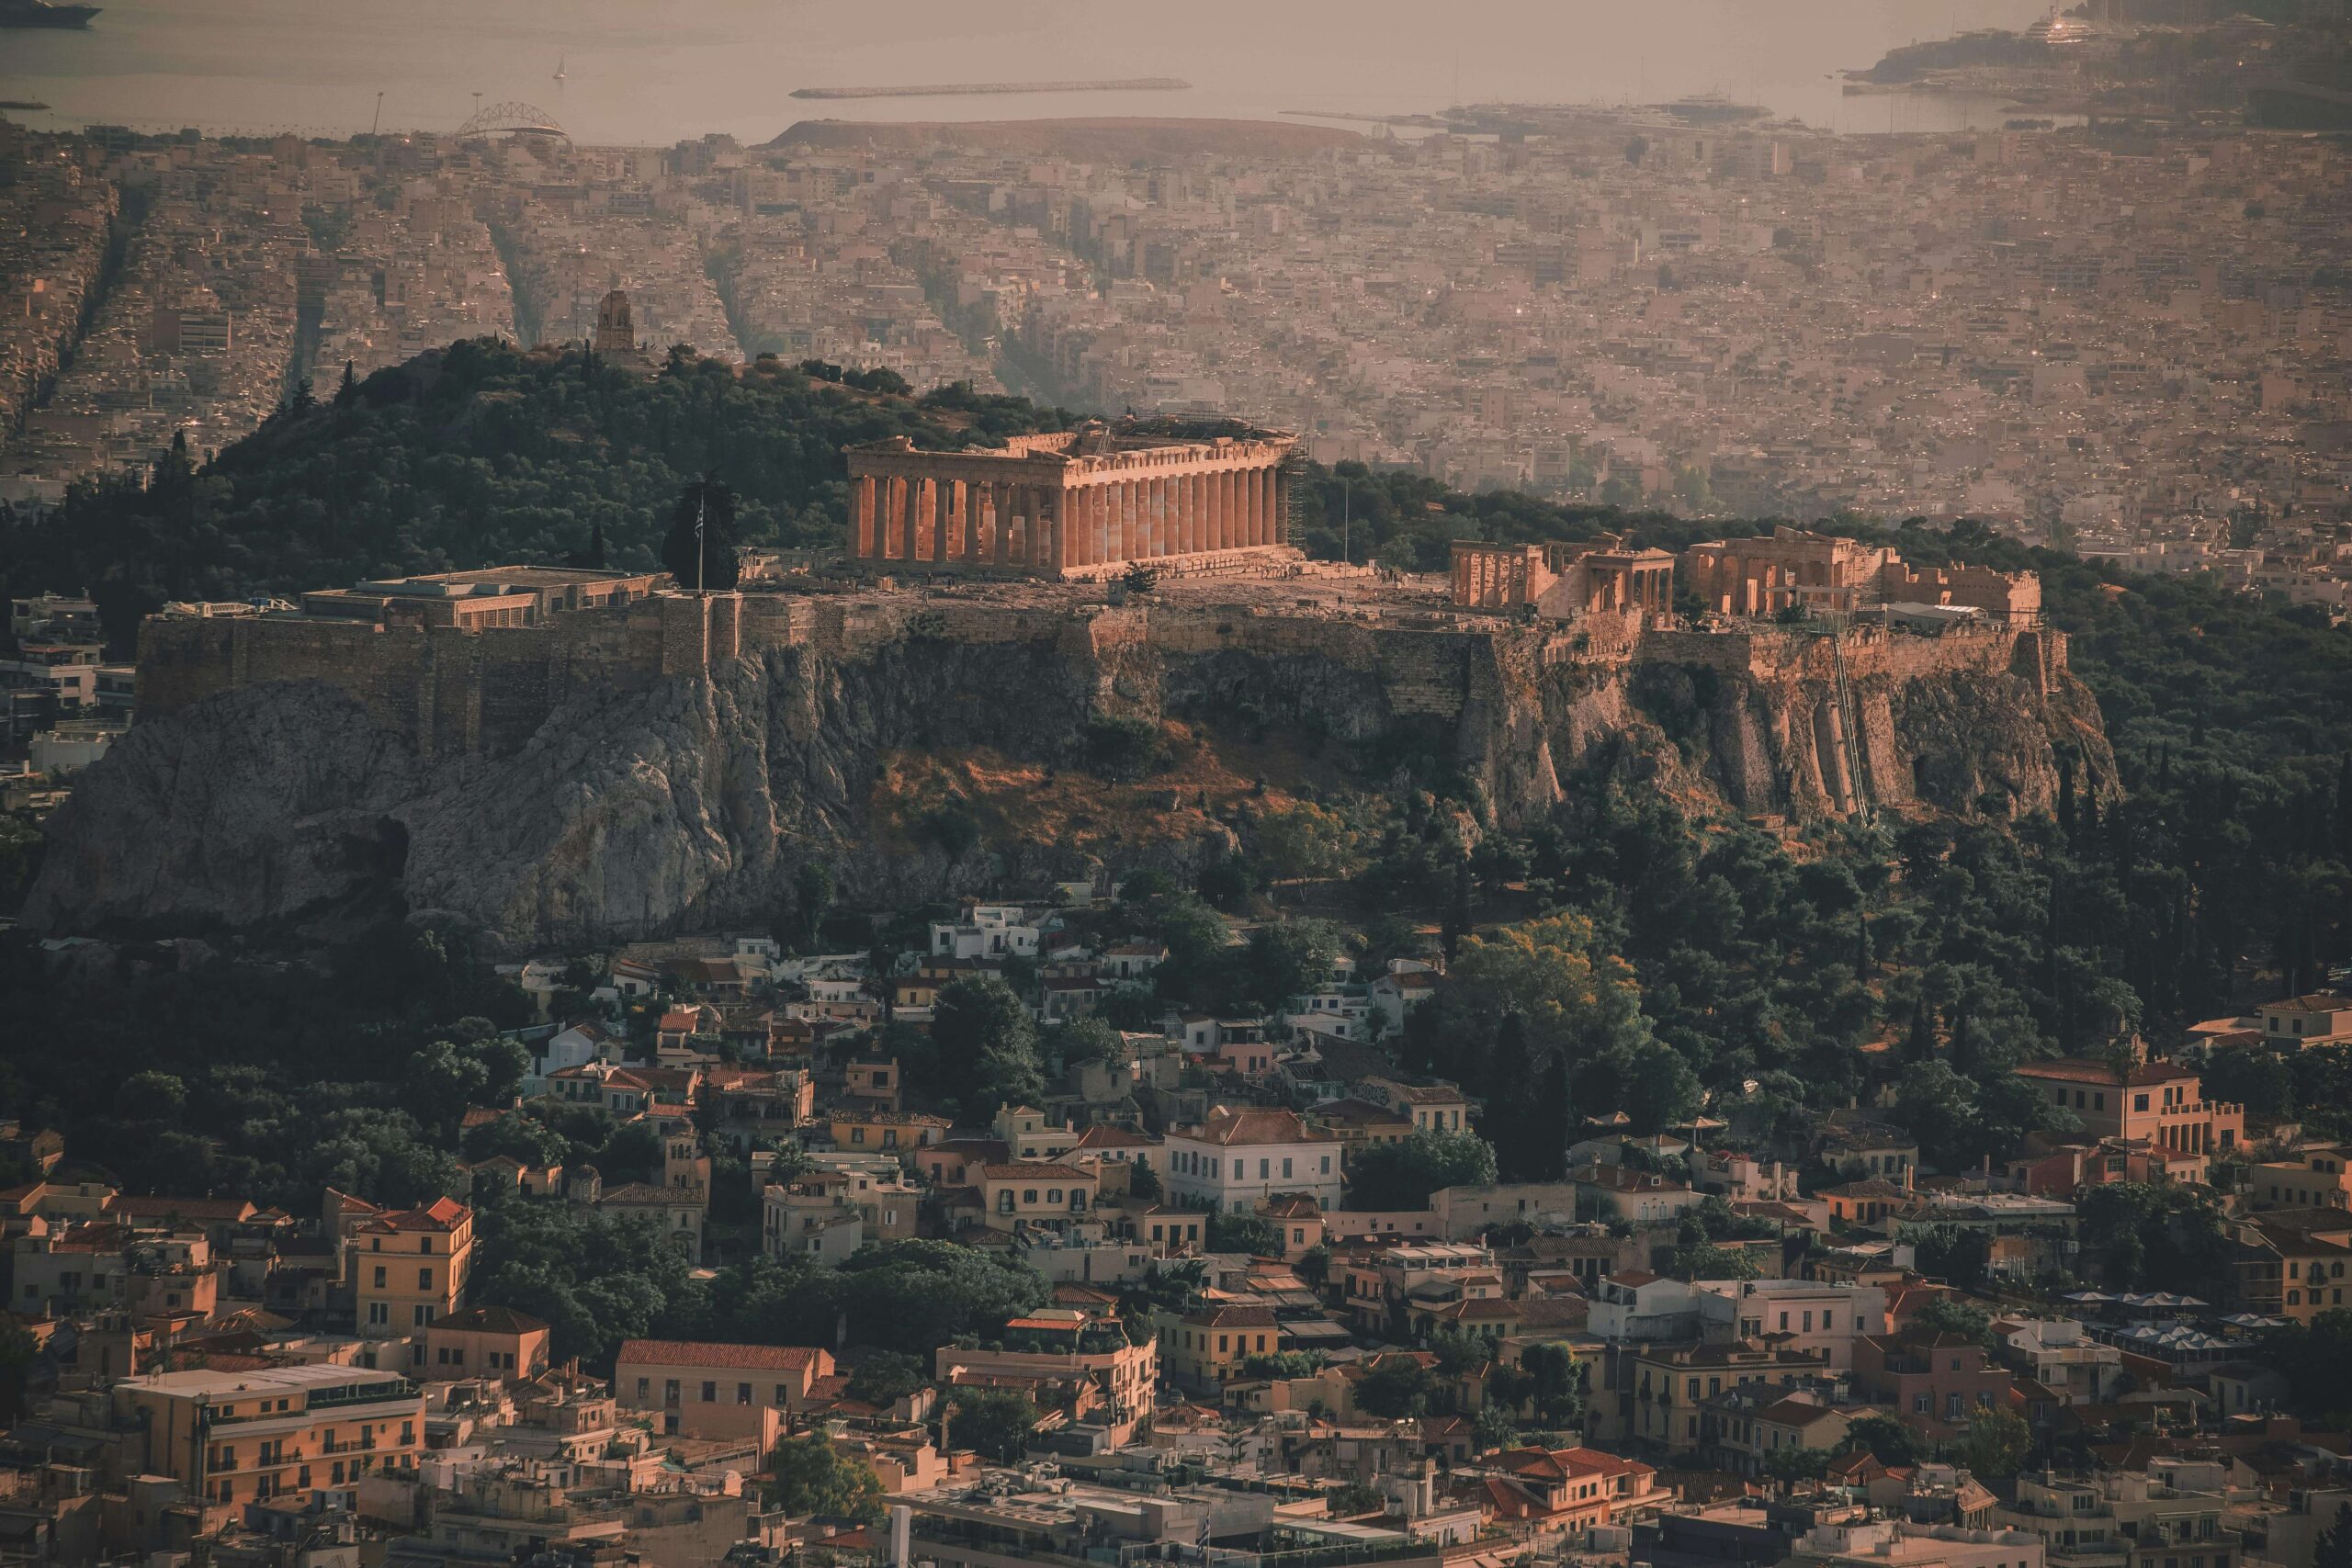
[559, 67]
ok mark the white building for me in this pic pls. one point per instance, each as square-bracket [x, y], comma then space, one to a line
[1236, 1157]
[986, 931]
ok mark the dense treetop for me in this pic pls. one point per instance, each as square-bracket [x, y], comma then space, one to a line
[481, 454]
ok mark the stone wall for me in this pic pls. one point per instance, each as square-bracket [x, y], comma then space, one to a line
[667, 766]
[453, 691]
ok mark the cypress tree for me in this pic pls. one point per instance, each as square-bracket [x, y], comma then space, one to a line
[1548, 1142]
[1508, 1123]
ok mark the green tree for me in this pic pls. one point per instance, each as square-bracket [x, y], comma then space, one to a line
[979, 1026]
[1557, 1384]
[1889, 1440]
[1947, 1314]
[1790, 1466]
[1996, 1444]
[1314, 1266]
[1398, 1386]
[810, 1479]
[150, 1097]
[884, 1377]
[2333, 1547]
[1494, 1428]
[1954, 1254]
[1142, 1181]
[1244, 1232]
[812, 899]
[1707, 1262]
[1402, 1175]
[1285, 959]
[997, 1423]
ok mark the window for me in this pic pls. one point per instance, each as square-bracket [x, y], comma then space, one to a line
[743, 1393]
[670, 1391]
[1285, 1171]
[710, 1393]
[641, 1387]
[425, 1279]
[379, 1279]
[1265, 1170]
[2138, 1103]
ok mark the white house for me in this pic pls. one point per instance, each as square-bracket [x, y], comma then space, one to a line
[1409, 984]
[1336, 1011]
[1237, 1157]
[986, 930]
[574, 1047]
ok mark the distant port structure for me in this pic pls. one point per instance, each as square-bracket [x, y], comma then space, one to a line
[515, 117]
[981, 89]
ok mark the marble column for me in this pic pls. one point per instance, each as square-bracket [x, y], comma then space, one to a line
[1256, 480]
[943, 503]
[1281, 507]
[1157, 499]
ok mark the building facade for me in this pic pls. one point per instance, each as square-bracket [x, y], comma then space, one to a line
[1088, 502]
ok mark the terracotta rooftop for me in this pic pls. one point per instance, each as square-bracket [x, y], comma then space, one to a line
[704, 1353]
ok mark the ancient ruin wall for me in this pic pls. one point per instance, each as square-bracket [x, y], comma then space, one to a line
[450, 692]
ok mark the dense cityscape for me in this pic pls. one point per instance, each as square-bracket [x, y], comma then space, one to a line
[1545, 836]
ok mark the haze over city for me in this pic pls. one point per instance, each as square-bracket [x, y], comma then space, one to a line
[1521, 786]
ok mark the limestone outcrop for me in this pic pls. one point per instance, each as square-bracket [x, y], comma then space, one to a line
[682, 799]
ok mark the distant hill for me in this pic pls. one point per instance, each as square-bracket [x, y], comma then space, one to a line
[481, 452]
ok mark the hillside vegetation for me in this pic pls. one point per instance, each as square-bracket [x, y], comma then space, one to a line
[1649, 958]
[480, 453]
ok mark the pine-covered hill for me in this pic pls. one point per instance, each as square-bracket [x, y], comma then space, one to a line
[480, 453]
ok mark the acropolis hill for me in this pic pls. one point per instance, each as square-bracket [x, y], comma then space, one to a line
[662, 761]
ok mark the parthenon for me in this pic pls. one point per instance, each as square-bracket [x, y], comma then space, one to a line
[1081, 503]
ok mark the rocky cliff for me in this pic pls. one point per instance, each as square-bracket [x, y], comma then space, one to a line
[685, 799]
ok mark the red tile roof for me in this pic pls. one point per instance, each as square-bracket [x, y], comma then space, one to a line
[1227, 1128]
[704, 1353]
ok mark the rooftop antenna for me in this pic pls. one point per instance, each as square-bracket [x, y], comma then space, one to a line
[559, 67]
[378, 120]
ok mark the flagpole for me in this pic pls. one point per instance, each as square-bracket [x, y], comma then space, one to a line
[701, 497]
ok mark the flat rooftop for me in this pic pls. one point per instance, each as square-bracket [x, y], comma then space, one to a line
[265, 1380]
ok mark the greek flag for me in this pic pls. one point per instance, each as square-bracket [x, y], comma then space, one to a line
[1202, 1538]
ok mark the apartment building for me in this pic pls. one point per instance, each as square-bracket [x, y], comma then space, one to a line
[716, 1391]
[246, 1436]
[408, 1268]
